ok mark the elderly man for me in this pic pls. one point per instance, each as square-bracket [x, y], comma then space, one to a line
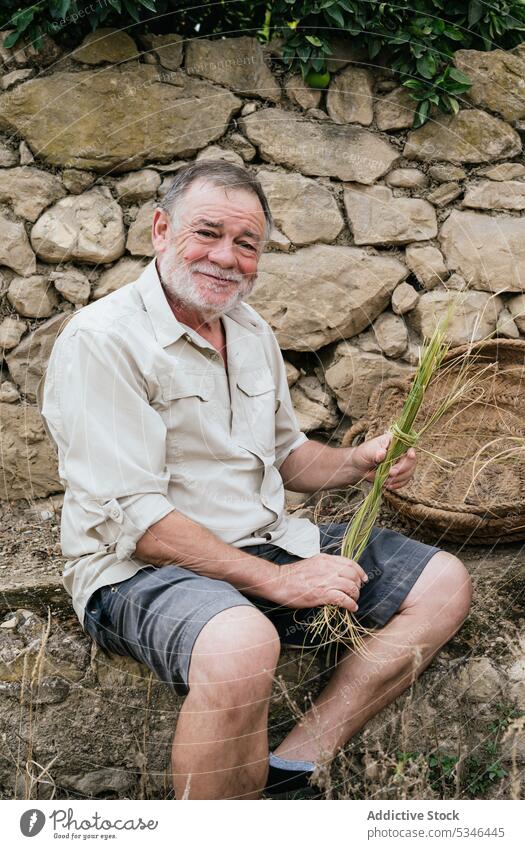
[170, 409]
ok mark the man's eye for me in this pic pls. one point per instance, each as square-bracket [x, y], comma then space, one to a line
[205, 233]
[247, 245]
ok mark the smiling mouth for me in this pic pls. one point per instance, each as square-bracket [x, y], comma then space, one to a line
[221, 280]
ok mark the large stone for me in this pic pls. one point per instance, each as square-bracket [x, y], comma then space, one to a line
[29, 190]
[8, 156]
[469, 136]
[242, 146]
[404, 298]
[27, 362]
[444, 194]
[377, 217]
[292, 373]
[32, 296]
[87, 227]
[216, 152]
[167, 48]
[301, 93]
[350, 97]
[427, 263]
[314, 406]
[516, 307]
[391, 334]
[77, 181]
[237, 63]
[474, 316]
[105, 45]
[9, 394]
[323, 293]
[353, 374]
[124, 271]
[486, 251]
[303, 209]
[447, 173]
[479, 681]
[14, 77]
[15, 250]
[119, 118]
[11, 332]
[138, 186]
[139, 236]
[504, 171]
[506, 326]
[320, 149]
[29, 463]
[509, 194]
[406, 178]
[395, 111]
[72, 284]
[498, 81]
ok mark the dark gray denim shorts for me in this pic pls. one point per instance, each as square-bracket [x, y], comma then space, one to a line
[157, 615]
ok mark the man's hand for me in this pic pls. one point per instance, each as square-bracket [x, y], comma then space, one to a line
[371, 453]
[321, 579]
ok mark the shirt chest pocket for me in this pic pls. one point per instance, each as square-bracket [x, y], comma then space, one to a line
[256, 400]
[185, 409]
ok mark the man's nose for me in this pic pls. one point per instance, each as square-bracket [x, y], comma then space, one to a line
[223, 254]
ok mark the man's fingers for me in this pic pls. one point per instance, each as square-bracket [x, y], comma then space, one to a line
[346, 562]
[341, 599]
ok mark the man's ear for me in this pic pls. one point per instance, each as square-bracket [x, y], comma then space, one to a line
[160, 230]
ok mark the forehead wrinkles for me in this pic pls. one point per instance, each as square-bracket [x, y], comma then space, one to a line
[228, 212]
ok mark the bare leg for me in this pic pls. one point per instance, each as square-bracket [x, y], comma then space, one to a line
[361, 686]
[220, 748]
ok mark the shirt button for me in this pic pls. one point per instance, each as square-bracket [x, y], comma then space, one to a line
[115, 514]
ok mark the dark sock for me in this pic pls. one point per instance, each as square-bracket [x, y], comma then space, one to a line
[285, 776]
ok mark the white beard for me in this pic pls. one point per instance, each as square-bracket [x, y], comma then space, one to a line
[178, 280]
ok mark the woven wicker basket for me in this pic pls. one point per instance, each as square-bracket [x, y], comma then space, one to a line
[473, 500]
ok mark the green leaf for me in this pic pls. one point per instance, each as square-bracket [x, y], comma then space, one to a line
[59, 8]
[427, 65]
[131, 8]
[12, 38]
[412, 84]
[459, 76]
[336, 15]
[149, 4]
[475, 11]
[314, 40]
[421, 114]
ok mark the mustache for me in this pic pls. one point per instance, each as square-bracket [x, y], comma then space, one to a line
[216, 271]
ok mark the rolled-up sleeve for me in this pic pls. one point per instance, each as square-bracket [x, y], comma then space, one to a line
[288, 435]
[113, 442]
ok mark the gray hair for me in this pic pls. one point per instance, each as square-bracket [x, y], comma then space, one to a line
[219, 173]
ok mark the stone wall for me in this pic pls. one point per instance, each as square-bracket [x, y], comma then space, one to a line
[377, 225]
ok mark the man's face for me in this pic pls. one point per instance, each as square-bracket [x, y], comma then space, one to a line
[208, 256]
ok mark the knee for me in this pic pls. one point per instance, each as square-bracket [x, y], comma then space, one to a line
[460, 586]
[453, 591]
[234, 658]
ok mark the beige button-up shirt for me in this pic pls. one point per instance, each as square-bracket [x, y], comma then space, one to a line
[145, 419]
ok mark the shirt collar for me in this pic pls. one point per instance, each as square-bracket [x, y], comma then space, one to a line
[166, 326]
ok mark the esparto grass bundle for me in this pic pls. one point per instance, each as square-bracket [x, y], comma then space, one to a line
[336, 624]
